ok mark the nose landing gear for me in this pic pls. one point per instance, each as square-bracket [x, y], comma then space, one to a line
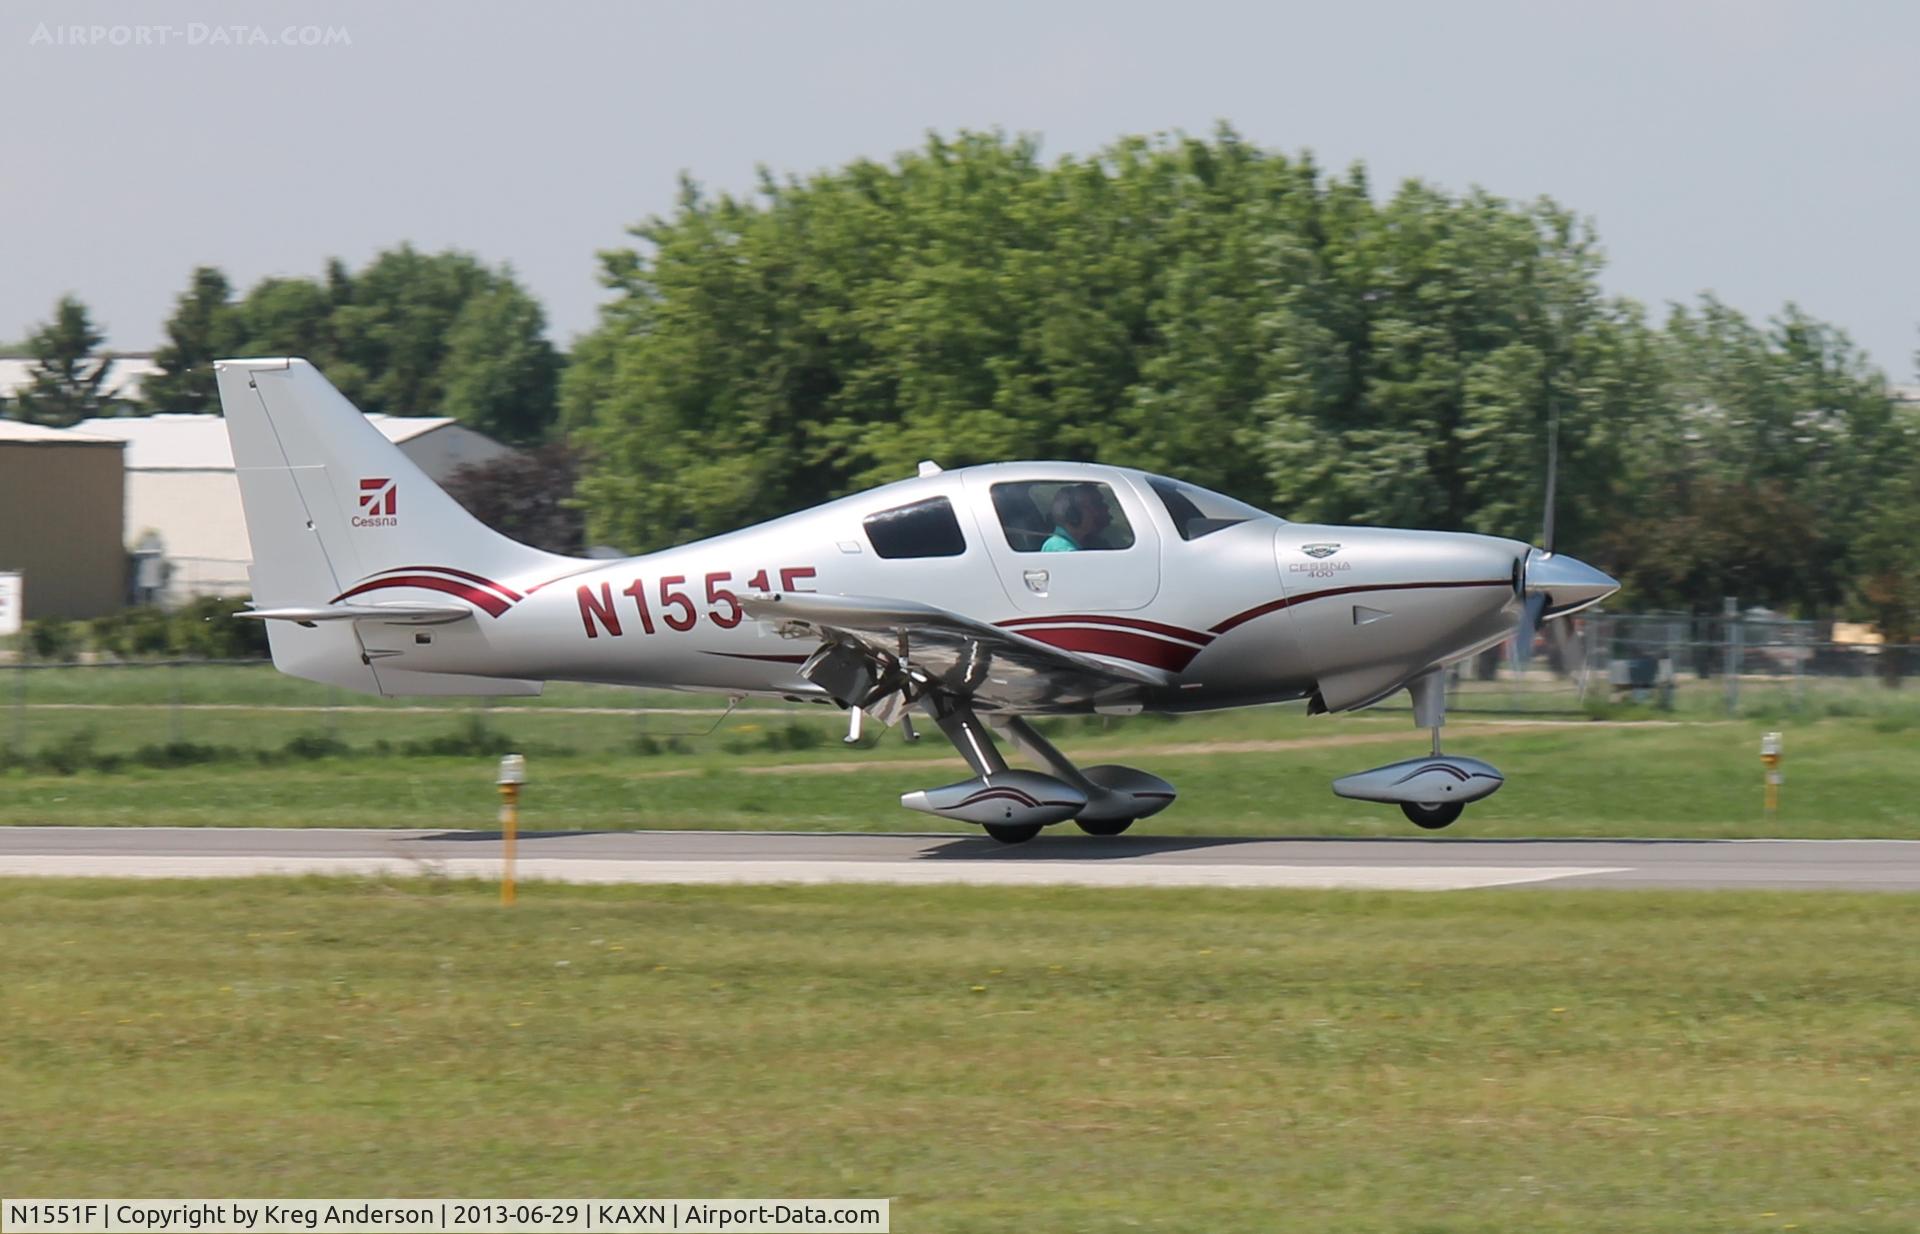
[1430, 791]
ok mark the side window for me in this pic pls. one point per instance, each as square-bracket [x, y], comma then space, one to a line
[923, 529]
[1061, 516]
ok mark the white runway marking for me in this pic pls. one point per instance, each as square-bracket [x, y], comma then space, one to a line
[979, 873]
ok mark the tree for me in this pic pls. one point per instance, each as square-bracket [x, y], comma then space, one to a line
[526, 495]
[1754, 478]
[1887, 553]
[416, 334]
[1231, 315]
[205, 326]
[67, 382]
[500, 372]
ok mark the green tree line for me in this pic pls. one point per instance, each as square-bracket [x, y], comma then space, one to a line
[410, 334]
[1242, 318]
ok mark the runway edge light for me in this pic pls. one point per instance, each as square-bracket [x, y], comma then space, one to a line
[513, 773]
[1771, 754]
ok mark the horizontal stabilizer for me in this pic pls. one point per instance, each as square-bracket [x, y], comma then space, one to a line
[403, 614]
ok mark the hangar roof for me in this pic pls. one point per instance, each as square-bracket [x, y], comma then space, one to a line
[19, 430]
[188, 442]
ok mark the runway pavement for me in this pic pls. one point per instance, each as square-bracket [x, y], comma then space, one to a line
[1060, 857]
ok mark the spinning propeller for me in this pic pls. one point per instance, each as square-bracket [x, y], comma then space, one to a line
[1549, 585]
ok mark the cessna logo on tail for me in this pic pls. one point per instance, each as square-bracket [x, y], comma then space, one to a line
[379, 503]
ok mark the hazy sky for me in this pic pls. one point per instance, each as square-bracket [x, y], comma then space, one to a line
[1765, 151]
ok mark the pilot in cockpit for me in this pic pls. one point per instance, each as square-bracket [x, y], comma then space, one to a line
[1079, 516]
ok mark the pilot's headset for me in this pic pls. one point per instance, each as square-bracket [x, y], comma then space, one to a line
[1073, 507]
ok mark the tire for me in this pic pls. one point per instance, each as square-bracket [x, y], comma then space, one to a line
[1104, 826]
[1013, 833]
[1431, 817]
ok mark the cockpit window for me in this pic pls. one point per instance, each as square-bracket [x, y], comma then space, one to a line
[923, 529]
[1061, 516]
[1196, 512]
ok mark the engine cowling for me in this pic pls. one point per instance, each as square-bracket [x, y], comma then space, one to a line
[1010, 798]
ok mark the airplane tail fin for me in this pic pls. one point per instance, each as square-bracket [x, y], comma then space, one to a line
[337, 514]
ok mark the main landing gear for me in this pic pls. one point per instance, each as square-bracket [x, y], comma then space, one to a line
[1430, 791]
[1014, 806]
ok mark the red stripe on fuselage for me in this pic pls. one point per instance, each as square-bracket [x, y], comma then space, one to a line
[1125, 623]
[502, 588]
[1274, 606]
[1120, 644]
[493, 604]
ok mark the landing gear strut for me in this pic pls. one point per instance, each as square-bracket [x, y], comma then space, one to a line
[1013, 806]
[1116, 796]
[1429, 694]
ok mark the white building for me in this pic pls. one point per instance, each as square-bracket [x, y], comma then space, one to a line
[181, 488]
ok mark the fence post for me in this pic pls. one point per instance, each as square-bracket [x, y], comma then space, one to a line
[20, 707]
[1590, 642]
[173, 706]
[1730, 654]
[1802, 652]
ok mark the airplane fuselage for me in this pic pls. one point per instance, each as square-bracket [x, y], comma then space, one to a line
[1254, 609]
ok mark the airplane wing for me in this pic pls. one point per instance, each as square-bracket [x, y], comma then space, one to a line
[995, 668]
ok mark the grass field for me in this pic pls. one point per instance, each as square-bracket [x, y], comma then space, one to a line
[1250, 773]
[245, 746]
[993, 1058]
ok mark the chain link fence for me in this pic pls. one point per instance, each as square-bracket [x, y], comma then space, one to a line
[1728, 664]
[167, 711]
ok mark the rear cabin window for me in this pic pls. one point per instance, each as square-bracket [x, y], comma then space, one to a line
[923, 529]
[1061, 516]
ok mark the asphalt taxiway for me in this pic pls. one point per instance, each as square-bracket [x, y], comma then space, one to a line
[1063, 857]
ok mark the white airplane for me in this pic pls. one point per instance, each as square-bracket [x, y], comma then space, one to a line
[979, 596]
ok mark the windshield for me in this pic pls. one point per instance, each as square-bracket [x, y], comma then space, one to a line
[1198, 512]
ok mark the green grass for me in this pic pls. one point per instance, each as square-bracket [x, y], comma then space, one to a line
[1845, 777]
[1047, 1059]
[161, 683]
[598, 763]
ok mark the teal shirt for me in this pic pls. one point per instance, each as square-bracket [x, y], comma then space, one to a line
[1059, 542]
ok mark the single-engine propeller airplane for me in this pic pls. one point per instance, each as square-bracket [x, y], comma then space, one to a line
[980, 596]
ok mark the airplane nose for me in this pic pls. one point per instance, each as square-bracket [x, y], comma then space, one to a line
[1567, 584]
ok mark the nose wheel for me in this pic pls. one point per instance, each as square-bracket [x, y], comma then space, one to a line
[1432, 816]
[1430, 791]
[1103, 826]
